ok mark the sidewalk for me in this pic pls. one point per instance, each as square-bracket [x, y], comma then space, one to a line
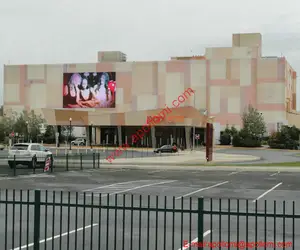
[63, 148]
[183, 157]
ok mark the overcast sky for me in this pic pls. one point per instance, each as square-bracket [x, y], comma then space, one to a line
[66, 31]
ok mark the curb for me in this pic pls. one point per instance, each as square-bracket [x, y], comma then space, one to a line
[199, 168]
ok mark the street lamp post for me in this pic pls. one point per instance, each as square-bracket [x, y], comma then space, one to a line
[91, 135]
[194, 128]
[70, 120]
[27, 132]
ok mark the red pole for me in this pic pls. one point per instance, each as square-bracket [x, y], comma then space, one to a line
[209, 141]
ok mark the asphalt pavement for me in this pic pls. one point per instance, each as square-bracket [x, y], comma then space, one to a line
[164, 187]
[266, 155]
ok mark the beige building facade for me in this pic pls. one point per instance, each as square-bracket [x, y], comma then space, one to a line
[224, 81]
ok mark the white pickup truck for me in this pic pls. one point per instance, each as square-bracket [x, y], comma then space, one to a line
[30, 154]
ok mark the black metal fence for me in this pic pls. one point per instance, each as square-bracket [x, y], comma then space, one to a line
[63, 221]
[63, 160]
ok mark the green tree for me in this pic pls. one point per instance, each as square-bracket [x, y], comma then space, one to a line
[65, 130]
[287, 138]
[9, 122]
[231, 131]
[253, 122]
[28, 124]
[49, 135]
[225, 139]
[20, 125]
[2, 133]
[34, 122]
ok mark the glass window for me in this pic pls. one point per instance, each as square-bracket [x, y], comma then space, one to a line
[19, 147]
[35, 148]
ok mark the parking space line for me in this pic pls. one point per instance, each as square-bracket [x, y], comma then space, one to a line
[114, 170]
[188, 245]
[156, 171]
[43, 175]
[111, 185]
[275, 174]
[233, 173]
[56, 236]
[202, 189]
[259, 197]
[139, 187]
[198, 171]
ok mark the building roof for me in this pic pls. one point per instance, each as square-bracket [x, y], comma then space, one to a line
[182, 116]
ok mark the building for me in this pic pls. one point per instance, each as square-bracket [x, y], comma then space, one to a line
[224, 80]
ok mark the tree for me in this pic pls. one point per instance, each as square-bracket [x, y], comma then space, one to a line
[65, 130]
[253, 129]
[26, 124]
[20, 125]
[253, 122]
[8, 123]
[2, 133]
[49, 135]
[34, 124]
[287, 138]
[65, 133]
[225, 139]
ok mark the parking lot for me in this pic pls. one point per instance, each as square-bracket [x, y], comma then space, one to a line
[83, 158]
[178, 186]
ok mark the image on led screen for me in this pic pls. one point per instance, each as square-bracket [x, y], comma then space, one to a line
[89, 90]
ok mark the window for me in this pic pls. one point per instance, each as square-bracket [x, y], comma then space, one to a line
[20, 147]
[35, 148]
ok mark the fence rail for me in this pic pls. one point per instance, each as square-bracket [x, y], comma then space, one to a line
[71, 220]
[19, 165]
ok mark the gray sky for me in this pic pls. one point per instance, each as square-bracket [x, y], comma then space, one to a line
[66, 31]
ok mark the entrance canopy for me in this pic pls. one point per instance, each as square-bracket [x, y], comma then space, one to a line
[183, 116]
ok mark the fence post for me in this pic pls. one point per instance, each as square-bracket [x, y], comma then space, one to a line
[37, 217]
[34, 161]
[51, 163]
[93, 160]
[200, 223]
[67, 162]
[15, 167]
[81, 161]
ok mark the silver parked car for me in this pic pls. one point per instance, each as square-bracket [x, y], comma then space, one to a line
[79, 142]
[30, 154]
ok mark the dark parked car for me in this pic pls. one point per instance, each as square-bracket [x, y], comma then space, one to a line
[166, 149]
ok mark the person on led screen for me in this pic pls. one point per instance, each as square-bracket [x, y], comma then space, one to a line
[101, 89]
[87, 95]
[112, 89]
[71, 92]
[93, 79]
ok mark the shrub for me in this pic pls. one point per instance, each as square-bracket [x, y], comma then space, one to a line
[287, 138]
[243, 139]
[225, 139]
[236, 141]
